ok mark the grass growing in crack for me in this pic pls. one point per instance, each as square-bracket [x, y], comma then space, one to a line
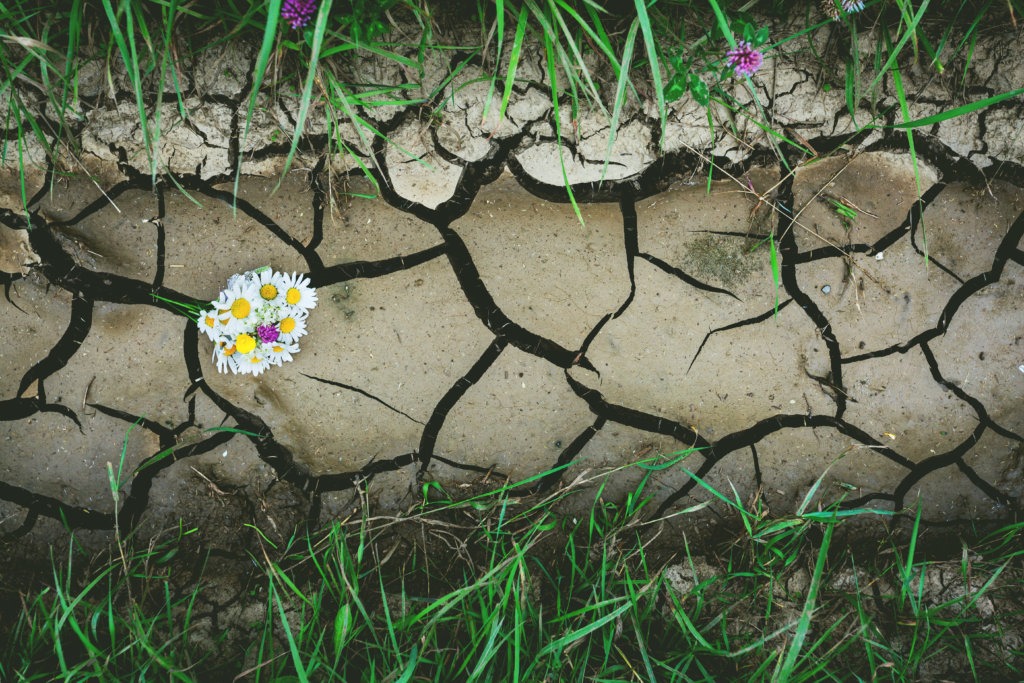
[512, 585]
[119, 620]
[591, 59]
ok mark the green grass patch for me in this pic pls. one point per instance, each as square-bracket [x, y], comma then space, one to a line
[504, 584]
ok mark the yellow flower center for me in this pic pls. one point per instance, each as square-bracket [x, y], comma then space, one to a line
[268, 291]
[209, 321]
[245, 343]
[255, 359]
[240, 309]
[230, 351]
[292, 296]
[278, 349]
[287, 325]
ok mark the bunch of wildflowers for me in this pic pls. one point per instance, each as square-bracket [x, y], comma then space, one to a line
[257, 320]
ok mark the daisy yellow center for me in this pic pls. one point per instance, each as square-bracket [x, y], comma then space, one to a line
[230, 351]
[240, 309]
[293, 295]
[245, 343]
[255, 359]
[288, 325]
[268, 291]
[278, 349]
[209, 321]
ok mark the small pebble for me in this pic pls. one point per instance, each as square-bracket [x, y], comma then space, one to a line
[879, 256]
[826, 289]
[1021, 367]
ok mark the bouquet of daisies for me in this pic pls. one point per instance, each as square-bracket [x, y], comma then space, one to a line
[257, 320]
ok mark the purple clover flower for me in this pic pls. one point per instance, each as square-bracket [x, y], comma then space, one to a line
[298, 12]
[851, 6]
[267, 333]
[744, 59]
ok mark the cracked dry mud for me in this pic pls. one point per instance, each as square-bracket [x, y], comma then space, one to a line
[470, 326]
[494, 333]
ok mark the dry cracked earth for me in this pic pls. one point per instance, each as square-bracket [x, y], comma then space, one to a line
[470, 326]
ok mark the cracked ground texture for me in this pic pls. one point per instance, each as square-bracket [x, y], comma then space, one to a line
[470, 326]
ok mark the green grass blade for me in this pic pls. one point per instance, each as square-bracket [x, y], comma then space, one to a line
[560, 643]
[908, 568]
[652, 57]
[513, 63]
[840, 514]
[717, 494]
[804, 624]
[553, 76]
[410, 667]
[578, 62]
[169, 14]
[911, 30]
[307, 91]
[490, 649]
[905, 112]
[681, 617]
[773, 257]
[620, 93]
[723, 23]
[952, 113]
[129, 56]
[293, 647]
[262, 60]
[499, 20]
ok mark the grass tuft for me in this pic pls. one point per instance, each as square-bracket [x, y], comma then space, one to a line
[511, 585]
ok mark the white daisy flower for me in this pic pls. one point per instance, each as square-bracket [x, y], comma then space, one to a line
[272, 286]
[298, 292]
[254, 364]
[279, 352]
[208, 322]
[226, 356]
[238, 307]
[248, 357]
[292, 327]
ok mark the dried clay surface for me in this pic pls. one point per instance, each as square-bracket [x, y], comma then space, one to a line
[494, 333]
[471, 325]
